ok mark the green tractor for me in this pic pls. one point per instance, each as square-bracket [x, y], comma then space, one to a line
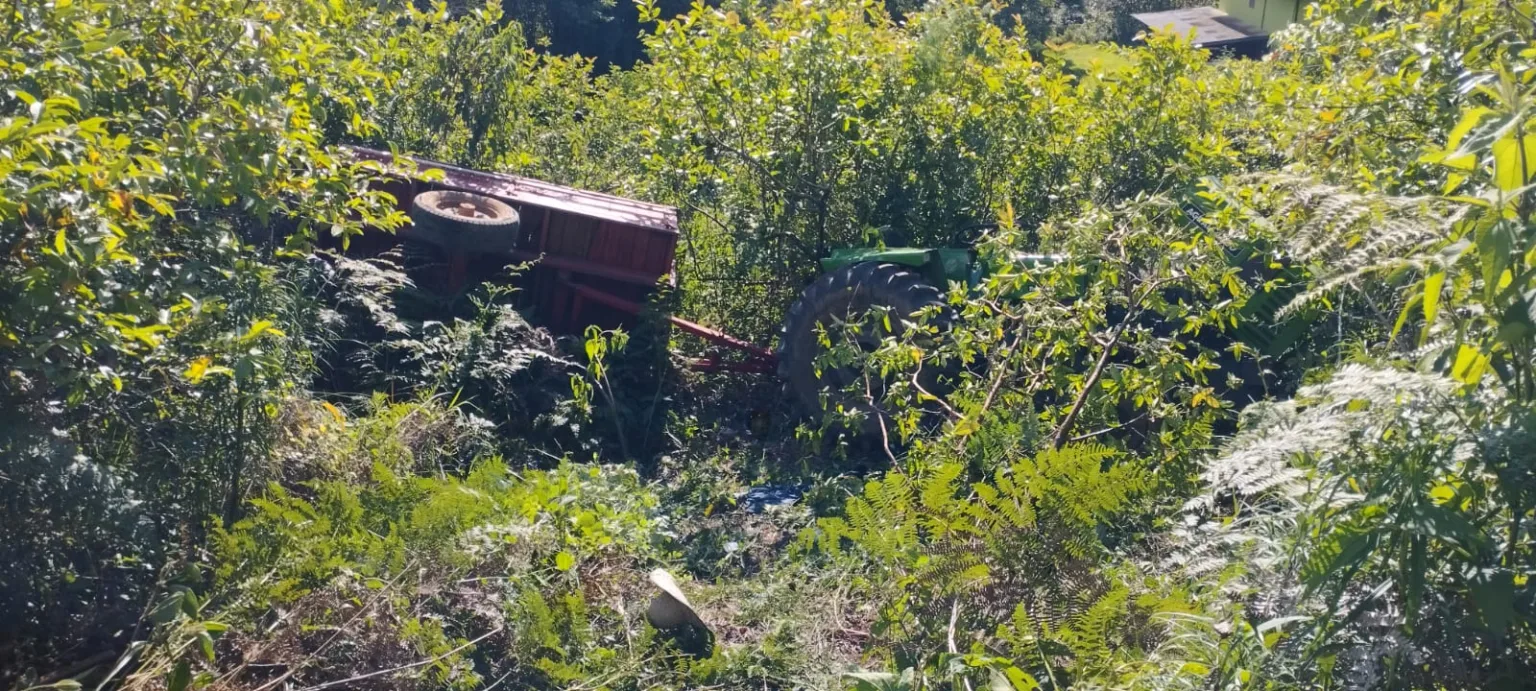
[906, 280]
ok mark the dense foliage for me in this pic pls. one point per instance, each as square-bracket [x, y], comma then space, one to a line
[610, 31]
[234, 454]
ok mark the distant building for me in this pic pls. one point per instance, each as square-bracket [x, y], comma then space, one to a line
[1237, 26]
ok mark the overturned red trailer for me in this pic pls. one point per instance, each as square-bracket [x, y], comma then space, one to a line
[594, 258]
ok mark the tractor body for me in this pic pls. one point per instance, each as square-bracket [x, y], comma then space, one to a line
[1257, 325]
[906, 279]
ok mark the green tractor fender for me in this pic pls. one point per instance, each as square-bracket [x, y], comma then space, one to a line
[938, 266]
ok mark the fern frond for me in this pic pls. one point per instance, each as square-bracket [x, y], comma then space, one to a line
[1344, 236]
[1322, 417]
[369, 284]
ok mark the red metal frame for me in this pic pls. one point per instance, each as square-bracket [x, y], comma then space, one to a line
[759, 359]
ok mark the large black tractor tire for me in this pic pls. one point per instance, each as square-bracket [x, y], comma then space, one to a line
[845, 296]
[462, 222]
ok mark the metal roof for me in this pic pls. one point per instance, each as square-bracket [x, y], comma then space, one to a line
[516, 189]
[1212, 27]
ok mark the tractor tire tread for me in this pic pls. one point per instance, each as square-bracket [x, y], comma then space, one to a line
[894, 285]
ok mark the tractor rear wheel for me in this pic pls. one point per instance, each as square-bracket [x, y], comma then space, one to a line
[840, 297]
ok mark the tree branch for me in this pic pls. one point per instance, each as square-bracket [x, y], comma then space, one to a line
[1060, 437]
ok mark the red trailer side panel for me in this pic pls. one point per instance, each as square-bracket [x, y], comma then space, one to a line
[573, 236]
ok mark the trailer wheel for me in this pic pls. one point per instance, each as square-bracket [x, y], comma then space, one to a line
[463, 222]
[840, 297]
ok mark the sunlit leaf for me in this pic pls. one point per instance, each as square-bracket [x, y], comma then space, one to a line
[198, 369]
[259, 327]
[1433, 285]
[1471, 363]
[1514, 161]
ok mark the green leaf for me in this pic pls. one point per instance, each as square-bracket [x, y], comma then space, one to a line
[1495, 249]
[1514, 161]
[976, 574]
[181, 678]
[158, 203]
[1468, 121]
[1464, 162]
[63, 102]
[97, 125]
[564, 561]
[1339, 553]
[258, 328]
[1493, 591]
[1279, 623]
[1470, 365]
[873, 681]
[167, 608]
[1432, 287]
[198, 369]
[1402, 315]
[1413, 577]
[1017, 679]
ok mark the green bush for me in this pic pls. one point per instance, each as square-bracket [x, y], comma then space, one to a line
[165, 167]
[1014, 557]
